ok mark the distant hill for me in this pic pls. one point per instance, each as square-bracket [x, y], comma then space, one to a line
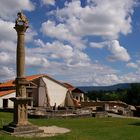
[105, 88]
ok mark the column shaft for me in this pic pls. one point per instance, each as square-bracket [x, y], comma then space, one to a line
[20, 55]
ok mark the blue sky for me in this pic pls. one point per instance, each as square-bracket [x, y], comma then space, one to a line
[83, 42]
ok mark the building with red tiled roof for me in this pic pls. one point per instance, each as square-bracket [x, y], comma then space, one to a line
[11, 83]
[3, 93]
[4, 98]
[44, 90]
[76, 92]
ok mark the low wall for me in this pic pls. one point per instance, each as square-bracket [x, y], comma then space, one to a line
[102, 103]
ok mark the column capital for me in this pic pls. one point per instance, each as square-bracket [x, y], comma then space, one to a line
[21, 23]
[21, 29]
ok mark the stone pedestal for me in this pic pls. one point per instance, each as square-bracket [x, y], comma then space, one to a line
[21, 84]
[20, 124]
[20, 110]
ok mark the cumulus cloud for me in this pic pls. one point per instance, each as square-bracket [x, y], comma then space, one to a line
[8, 46]
[55, 49]
[61, 32]
[104, 18]
[132, 65]
[7, 31]
[98, 45]
[99, 18]
[6, 59]
[48, 2]
[90, 74]
[90, 20]
[6, 73]
[130, 77]
[117, 51]
[8, 8]
[62, 52]
[30, 34]
[36, 61]
[65, 57]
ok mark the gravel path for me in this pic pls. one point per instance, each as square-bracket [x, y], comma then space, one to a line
[48, 132]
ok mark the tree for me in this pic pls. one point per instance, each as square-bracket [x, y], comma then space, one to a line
[133, 95]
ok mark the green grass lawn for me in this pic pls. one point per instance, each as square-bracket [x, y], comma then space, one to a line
[84, 129]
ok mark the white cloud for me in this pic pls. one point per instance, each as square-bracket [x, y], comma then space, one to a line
[7, 32]
[6, 59]
[6, 73]
[98, 45]
[130, 77]
[64, 58]
[61, 32]
[132, 65]
[64, 53]
[48, 2]
[9, 8]
[36, 61]
[90, 74]
[8, 39]
[30, 34]
[107, 79]
[8, 46]
[56, 48]
[118, 52]
[104, 18]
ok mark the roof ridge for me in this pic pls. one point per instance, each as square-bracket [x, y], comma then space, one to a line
[29, 78]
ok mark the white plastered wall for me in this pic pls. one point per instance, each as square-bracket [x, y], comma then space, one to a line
[56, 92]
[10, 103]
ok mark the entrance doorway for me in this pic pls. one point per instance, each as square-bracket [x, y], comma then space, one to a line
[5, 103]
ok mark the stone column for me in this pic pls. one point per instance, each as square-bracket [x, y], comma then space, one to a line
[20, 124]
[21, 100]
[20, 61]
[21, 29]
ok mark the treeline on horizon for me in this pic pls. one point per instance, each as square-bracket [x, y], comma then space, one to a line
[130, 96]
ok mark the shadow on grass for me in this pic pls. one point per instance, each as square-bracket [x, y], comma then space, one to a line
[1, 131]
[135, 123]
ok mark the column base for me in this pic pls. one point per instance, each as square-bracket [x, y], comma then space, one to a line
[20, 124]
[13, 129]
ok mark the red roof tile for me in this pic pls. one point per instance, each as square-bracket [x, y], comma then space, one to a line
[70, 87]
[11, 82]
[30, 78]
[8, 84]
[2, 93]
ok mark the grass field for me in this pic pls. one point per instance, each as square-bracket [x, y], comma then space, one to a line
[84, 129]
